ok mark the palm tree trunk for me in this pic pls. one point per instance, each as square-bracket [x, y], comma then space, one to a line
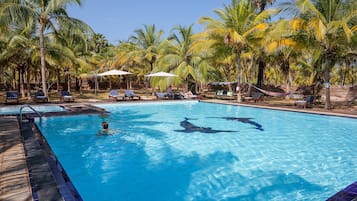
[251, 77]
[58, 78]
[289, 84]
[22, 80]
[28, 85]
[14, 79]
[285, 67]
[19, 80]
[327, 85]
[69, 83]
[239, 95]
[43, 61]
[227, 74]
[80, 85]
[347, 70]
[261, 67]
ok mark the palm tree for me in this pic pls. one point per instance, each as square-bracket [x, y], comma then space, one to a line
[183, 57]
[330, 25]
[282, 45]
[74, 49]
[260, 5]
[238, 26]
[98, 43]
[21, 47]
[47, 14]
[144, 48]
[148, 41]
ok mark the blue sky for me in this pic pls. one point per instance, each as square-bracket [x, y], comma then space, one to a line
[117, 19]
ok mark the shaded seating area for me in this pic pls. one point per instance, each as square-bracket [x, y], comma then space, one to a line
[115, 95]
[308, 101]
[131, 95]
[40, 97]
[255, 97]
[66, 96]
[12, 96]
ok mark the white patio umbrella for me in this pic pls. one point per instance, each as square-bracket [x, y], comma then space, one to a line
[158, 74]
[114, 72]
[161, 74]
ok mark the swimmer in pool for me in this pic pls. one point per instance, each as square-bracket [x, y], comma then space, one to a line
[105, 129]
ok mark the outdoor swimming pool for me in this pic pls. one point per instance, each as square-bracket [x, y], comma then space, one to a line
[15, 109]
[202, 151]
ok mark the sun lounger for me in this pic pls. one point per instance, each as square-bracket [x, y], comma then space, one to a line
[219, 93]
[131, 95]
[115, 95]
[40, 97]
[160, 95]
[225, 95]
[188, 95]
[309, 100]
[12, 96]
[255, 97]
[66, 97]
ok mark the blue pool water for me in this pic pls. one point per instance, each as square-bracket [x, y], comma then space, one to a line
[202, 151]
[15, 109]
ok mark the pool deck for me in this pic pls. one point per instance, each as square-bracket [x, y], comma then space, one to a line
[14, 177]
[282, 108]
[14, 171]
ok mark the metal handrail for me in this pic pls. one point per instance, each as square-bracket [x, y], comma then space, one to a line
[33, 109]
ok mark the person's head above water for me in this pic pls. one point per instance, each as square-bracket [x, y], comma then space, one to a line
[105, 125]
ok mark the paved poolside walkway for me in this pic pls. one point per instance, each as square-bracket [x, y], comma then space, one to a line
[14, 177]
[288, 108]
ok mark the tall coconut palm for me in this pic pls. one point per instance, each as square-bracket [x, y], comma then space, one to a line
[239, 25]
[47, 14]
[260, 5]
[183, 57]
[20, 48]
[127, 58]
[145, 45]
[98, 43]
[74, 50]
[282, 45]
[148, 41]
[331, 25]
[217, 55]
